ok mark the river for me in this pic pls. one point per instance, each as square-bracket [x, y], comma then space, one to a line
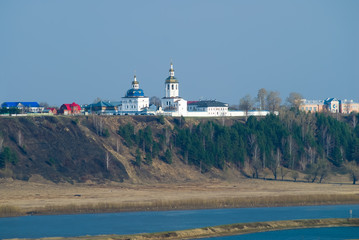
[139, 222]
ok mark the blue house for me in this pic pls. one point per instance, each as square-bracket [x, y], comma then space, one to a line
[25, 107]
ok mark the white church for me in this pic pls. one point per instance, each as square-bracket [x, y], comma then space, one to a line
[136, 103]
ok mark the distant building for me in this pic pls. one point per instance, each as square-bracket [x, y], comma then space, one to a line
[102, 107]
[172, 102]
[211, 107]
[70, 109]
[24, 107]
[348, 106]
[52, 111]
[134, 102]
[332, 105]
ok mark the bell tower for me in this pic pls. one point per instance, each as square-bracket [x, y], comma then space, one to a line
[171, 84]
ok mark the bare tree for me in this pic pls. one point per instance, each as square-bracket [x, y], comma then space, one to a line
[1, 142]
[261, 96]
[273, 101]
[98, 124]
[107, 160]
[274, 165]
[354, 120]
[353, 169]
[117, 146]
[294, 100]
[19, 138]
[155, 101]
[283, 172]
[294, 175]
[246, 103]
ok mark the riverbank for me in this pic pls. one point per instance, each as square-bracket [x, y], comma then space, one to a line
[39, 197]
[228, 230]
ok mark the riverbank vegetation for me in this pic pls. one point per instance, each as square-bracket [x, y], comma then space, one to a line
[231, 229]
[161, 205]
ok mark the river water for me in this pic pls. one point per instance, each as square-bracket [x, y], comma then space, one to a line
[139, 222]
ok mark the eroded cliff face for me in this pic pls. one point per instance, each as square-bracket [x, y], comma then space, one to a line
[82, 148]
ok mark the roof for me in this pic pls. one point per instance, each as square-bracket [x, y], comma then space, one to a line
[171, 80]
[135, 93]
[16, 104]
[102, 104]
[207, 103]
[71, 106]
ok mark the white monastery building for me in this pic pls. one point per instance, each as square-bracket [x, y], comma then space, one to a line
[135, 101]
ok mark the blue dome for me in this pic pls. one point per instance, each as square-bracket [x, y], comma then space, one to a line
[135, 93]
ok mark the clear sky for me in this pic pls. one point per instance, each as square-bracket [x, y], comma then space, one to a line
[62, 51]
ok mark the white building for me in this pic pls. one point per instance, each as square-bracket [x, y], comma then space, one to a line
[210, 107]
[135, 101]
[172, 103]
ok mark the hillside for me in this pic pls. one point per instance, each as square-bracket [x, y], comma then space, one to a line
[82, 148]
[149, 149]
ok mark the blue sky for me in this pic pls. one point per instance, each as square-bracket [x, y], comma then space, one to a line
[62, 51]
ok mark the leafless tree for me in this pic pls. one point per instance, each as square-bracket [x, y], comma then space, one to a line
[294, 100]
[353, 169]
[246, 103]
[294, 175]
[1, 142]
[155, 101]
[107, 160]
[283, 172]
[98, 124]
[274, 165]
[261, 96]
[354, 121]
[19, 138]
[273, 101]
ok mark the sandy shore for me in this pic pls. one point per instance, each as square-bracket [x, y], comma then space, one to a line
[28, 196]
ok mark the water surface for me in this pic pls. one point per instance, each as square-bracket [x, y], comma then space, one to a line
[140, 222]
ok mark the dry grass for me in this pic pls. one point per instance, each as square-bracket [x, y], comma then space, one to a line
[186, 204]
[19, 198]
[10, 211]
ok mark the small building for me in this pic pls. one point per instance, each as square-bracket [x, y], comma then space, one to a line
[51, 111]
[24, 107]
[70, 109]
[211, 107]
[102, 107]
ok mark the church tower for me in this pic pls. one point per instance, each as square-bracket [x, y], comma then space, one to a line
[171, 85]
[135, 84]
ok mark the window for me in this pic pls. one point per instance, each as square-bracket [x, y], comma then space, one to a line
[173, 87]
[176, 87]
[168, 87]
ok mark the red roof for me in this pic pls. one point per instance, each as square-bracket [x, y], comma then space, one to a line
[72, 106]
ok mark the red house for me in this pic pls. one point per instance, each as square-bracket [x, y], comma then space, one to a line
[70, 109]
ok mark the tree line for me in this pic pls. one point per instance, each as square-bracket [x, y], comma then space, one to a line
[314, 144]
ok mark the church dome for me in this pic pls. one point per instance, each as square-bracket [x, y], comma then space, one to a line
[171, 79]
[135, 93]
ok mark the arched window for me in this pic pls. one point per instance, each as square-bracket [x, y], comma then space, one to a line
[173, 87]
